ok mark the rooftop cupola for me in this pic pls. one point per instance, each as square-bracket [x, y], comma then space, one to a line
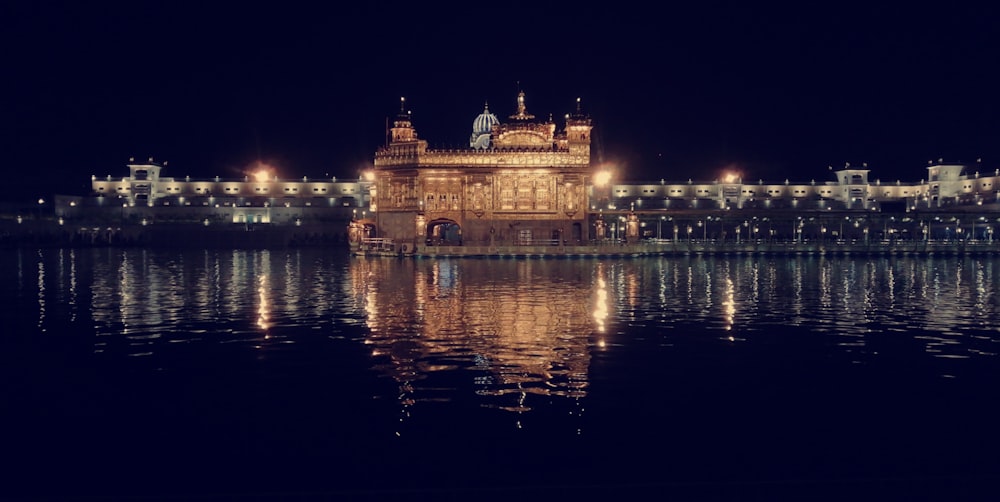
[402, 128]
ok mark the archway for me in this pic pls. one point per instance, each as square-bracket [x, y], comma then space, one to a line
[368, 228]
[360, 230]
[444, 232]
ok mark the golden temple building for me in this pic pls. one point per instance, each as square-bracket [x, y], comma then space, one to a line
[520, 182]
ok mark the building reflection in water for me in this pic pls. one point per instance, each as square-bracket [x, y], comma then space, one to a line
[143, 299]
[508, 331]
[520, 329]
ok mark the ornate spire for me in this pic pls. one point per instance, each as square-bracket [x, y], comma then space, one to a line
[402, 108]
[521, 109]
[578, 115]
[402, 127]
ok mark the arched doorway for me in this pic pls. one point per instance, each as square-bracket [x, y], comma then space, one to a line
[360, 230]
[444, 232]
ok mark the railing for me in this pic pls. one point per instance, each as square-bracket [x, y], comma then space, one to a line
[536, 242]
[380, 244]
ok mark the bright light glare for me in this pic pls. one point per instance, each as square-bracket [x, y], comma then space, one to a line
[602, 178]
[731, 177]
[261, 171]
[369, 175]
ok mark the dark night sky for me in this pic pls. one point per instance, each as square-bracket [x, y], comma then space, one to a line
[675, 92]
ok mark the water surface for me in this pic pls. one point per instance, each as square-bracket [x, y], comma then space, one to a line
[143, 372]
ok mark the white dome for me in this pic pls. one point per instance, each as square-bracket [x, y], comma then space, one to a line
[482, 127]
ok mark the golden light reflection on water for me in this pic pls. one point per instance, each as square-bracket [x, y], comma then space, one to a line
[520, 329]
[729, 305]
[601, 304]
[263, 305]
[152, 297]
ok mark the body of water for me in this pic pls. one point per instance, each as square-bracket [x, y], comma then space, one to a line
[306, 373]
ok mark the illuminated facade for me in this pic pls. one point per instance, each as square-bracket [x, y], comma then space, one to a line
[526, 185]
[263, 199]
[946, 186]
[520, 182]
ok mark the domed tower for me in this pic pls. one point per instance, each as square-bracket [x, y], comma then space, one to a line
[482, 129]
[402, 139]
[402, 128]
[578, 127]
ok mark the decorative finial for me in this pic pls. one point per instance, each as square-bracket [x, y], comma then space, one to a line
[521, 108]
